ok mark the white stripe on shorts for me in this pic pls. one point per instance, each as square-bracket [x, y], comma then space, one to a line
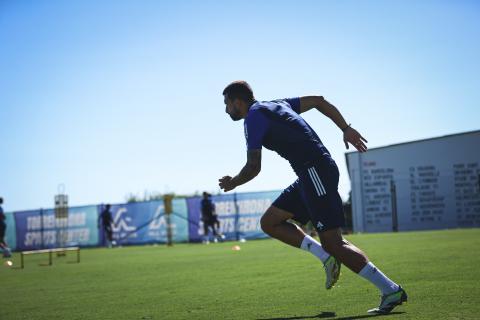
[315, 174]
[315, 182]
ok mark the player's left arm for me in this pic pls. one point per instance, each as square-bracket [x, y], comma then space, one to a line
[350, 135]
[249, 171]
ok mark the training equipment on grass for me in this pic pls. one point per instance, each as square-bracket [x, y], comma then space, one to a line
[49, 251]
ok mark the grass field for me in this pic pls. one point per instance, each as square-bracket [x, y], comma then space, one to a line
[264, 280]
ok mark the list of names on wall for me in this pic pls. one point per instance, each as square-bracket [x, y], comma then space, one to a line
[377, 195]
[427, 203]
[467, 193]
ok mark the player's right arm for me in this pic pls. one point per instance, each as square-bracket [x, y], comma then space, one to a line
[350, 135]
[256, 125]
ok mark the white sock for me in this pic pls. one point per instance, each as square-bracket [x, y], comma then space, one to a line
[378, 278]
[311, 245]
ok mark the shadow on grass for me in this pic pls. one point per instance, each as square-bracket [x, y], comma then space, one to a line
[327, 314]
[323, 315]
[364, 316]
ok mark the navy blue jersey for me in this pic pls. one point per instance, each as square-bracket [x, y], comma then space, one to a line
[208, 208]
[277, 126]
[106, 217]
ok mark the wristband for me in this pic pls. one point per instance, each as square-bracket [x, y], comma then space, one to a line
[346, 127]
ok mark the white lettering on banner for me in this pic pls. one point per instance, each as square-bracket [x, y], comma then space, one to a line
[246, 224]
[49, 221]
[227, 225]
[158, 227]
[158, 222]
[119, 224]
[50, 237]
[254, 206]
[123, 235]
[33, 223]
[157, 234]
[250, 206]
[223, 208]
[33, 239]
[79, 235]
[77, 219]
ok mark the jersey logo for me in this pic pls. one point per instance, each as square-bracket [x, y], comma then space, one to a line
[319, 225]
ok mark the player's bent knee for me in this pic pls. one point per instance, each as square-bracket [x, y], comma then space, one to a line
[273, 217]
[266, 223]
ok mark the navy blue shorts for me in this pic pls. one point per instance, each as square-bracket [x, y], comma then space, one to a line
[314, 196]
[3, 227]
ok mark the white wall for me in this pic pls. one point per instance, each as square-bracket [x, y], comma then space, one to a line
[437, 184]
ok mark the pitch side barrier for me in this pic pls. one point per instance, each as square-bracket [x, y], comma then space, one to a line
[141, 222]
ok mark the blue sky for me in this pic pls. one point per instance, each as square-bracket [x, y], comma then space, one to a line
[118, 97]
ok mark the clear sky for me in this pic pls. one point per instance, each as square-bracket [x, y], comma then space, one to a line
[118, 97]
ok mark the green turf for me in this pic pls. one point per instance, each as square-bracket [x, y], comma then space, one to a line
[264, 280]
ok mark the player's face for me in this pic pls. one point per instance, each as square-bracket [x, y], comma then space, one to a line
[232, 109]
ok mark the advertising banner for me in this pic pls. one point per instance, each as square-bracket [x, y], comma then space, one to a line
[239, 214]
[145, 222]
[37, 229]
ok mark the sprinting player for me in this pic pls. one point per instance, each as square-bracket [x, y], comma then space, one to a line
[278, 126]
[209, 219]
[105, 219]
[7, 253]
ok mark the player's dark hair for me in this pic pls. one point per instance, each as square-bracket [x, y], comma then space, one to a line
[239, 90]
[1, 200]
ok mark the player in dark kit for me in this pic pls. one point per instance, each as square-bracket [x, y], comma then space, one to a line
[3, 227]
[209, 219]
[106, 220]
[278, 126]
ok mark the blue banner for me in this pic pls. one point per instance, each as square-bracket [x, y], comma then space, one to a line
[239, 214]
[141, 222]
[37, 229]
[145, 222]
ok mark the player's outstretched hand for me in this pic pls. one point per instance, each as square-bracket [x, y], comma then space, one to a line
[226, 183]
[352, 136]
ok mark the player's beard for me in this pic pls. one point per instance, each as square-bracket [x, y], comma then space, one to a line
[235, 115]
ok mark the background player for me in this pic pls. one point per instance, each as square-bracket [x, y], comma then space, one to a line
[105, 219]
[209, 219]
